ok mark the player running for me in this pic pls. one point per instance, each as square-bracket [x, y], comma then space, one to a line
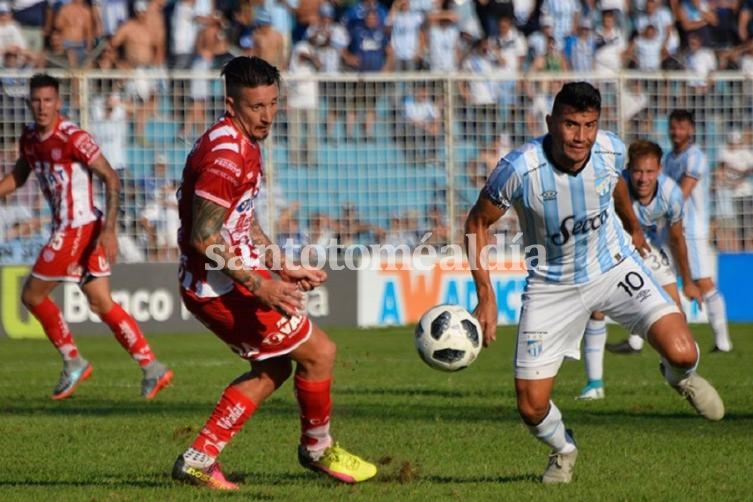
[567, 189]
[236, 297]
[83, 242]
[658, 203]
[687, 165]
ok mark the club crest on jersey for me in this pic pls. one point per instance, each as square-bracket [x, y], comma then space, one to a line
[48, 255]
[602, 185]
[56, 154]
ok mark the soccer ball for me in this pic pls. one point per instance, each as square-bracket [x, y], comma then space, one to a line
[448, 338]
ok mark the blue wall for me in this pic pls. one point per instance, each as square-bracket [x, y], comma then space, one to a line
[736, 282]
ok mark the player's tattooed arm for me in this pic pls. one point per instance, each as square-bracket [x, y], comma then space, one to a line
[101, 167]
[16, 179]
[206, 236]
[273, 258]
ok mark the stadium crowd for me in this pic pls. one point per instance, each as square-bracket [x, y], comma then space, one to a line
[507, 39]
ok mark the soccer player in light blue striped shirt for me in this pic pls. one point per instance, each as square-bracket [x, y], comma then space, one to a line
[658, 203]
[567, 192]
[687, 165]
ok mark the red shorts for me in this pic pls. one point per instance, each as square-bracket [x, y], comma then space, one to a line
[72, 254]
[250, 329]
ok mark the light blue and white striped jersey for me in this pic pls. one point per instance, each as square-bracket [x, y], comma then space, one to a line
[663, 210]
[692, 162]
[571, 216]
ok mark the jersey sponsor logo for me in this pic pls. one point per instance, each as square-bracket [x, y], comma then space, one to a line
[74, 270]
[570, 227]
[244, 205]
[229, 165]
[224, 175]
[549, 195]
[273, 339]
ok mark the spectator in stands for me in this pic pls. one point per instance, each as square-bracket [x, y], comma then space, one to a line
[443, 38]
[645, 51]
[305, 15]
[538, 40]
[489, 12]
[321, 230]
[406, 37]
[696, 17]
[109, 125]
[290, 237]
[610, 44]
[33, 16]
[580, 48]
[734, 194]
[351, 229]
[480, 96]
[108, 16]
[303, 105]
[565, 14]
[511, 47]
[268, 43]
[701, 62]
[553, 60]
[75, 21]
[398, 232]
[663, 22]
[330, 40]
[422, 119]
[369, 51]
[541, 99]
[185, 26]
[56, 55]
[438, 226]
[159, 218]
[142, 49]
[355, 17]
[282, 13]
[724, 33]
[11, 36]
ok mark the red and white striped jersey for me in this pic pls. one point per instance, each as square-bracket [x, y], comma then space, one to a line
[61, 162]
[224, 167]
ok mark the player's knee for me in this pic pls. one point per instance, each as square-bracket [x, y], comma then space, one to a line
[277, 374]
[328, 352]
[99, 305]
[532, 412]
[683, 353]
[597, 316]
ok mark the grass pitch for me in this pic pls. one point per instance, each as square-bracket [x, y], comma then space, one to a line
[434, 435]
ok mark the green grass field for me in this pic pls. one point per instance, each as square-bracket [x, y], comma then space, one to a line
[435, 435]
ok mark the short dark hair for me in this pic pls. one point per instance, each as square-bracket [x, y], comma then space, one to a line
[40, 80]
[642, 148]
[579, 95]
[244, 71]
[682, 115]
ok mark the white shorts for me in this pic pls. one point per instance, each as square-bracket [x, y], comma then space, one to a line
[553, 316]
[661, 266]
[699, 256]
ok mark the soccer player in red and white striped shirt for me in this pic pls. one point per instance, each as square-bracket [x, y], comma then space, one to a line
[83, 241]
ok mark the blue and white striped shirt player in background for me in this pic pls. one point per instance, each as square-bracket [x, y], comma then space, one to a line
[687, 165]
[658, 203]
[567, 191]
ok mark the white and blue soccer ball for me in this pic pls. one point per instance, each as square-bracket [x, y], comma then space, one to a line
[448, 338]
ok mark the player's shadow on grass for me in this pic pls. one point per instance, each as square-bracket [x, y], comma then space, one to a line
[531, 478]
[416, 392]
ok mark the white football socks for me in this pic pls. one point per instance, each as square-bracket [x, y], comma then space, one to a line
[552, 431]
[594, 340]
[717, 314]
[674, 375]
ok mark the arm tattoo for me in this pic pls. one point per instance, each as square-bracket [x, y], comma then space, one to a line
[272, 258]
[113, 205]
[208, 218]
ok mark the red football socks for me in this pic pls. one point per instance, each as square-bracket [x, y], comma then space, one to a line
[55, 327]
[228, 417]
[129, 335]
[315, 401]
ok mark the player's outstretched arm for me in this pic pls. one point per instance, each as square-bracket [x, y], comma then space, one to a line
[16, 178]
[107, 237]
[624, 208]
[208, 218]
[687, 184]
[481, 217]
[679, 249]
